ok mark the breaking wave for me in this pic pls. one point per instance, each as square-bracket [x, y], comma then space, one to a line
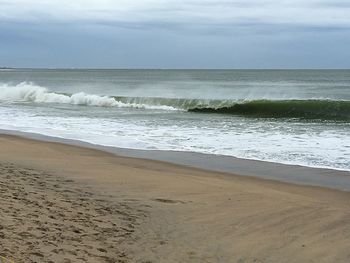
[27, 92]
[306, 109]
[293, 108]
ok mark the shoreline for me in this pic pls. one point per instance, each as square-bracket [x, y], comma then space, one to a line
[68, 203]
[287, 173]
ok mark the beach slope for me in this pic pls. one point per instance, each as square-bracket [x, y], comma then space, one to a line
[62, 203]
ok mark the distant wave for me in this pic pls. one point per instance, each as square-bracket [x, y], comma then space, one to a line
[307, 109]
[293, 108]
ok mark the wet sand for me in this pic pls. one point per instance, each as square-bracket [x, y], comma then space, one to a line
[62, 203]
[296, 174]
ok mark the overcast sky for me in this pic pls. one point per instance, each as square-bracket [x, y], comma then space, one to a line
[175, 33]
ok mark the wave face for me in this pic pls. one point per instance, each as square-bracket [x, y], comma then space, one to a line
[304, 109]
[308, 109]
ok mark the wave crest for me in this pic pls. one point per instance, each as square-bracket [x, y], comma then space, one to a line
[28, 92]
[293, 108]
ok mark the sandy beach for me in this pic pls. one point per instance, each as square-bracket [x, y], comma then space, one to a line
[63, 203]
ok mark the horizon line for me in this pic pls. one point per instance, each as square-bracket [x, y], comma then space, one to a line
[151, 68]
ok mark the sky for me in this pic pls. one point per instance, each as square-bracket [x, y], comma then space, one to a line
[175, 33]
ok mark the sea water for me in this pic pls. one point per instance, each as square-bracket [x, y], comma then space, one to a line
[287, 116]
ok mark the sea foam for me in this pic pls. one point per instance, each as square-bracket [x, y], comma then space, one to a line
[29, 92]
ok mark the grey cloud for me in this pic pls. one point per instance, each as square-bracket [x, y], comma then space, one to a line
[193, 12]
[174, 33]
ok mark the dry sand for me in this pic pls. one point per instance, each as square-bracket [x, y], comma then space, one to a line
[61, 203]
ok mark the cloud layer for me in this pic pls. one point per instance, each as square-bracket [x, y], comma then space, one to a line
[175, 33]
[327, 13]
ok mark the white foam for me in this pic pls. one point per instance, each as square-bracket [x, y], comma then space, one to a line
[325, 145]
[28, 92]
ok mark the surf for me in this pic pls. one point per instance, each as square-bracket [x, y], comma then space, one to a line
[323, 109]
[28, 92]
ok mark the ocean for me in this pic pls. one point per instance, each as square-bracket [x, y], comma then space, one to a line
[297, 117]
